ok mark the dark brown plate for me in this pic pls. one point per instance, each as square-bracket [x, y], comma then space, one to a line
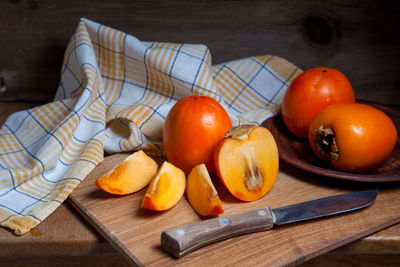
[298, 153]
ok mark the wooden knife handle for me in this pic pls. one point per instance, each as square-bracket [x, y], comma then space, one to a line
[182, 240]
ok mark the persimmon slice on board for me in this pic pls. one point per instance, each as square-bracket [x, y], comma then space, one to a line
[247, 161]
[131, 175]
[166, 188]
[201, 193]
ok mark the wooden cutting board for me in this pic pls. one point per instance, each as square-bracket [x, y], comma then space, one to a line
[135, 232]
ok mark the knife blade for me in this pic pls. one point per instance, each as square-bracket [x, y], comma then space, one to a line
[184, 239]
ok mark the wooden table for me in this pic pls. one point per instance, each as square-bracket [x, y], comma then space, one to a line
[361, 38]
[65, 239]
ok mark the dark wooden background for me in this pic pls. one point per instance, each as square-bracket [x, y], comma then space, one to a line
[359, 37]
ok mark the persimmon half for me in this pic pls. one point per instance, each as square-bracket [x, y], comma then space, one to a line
[247, 161]
[166, 188]
[311, 92]
[192, 129]
[129, 176]
[201, 193]
[352, 137]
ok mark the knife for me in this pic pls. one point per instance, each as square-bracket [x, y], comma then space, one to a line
[184, 239]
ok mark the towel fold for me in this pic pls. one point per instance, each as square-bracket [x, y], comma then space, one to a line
[114, 94]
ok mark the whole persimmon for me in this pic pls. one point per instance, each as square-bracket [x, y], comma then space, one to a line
[192, 129]
[311, 92]
[352, 137]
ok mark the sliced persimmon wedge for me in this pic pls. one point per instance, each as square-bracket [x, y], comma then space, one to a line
[247, 161]
[131, 175]
[201, 193]
[166, 188]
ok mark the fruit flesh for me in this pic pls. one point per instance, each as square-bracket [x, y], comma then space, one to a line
[131, 175]
[166, 188]
[248, 166]
[201, 193]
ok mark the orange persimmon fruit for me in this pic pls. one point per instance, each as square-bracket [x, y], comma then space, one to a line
[131, 175]
[192, 129]
[311, 92]
[247, 161]
[166, 188]
[201, 193]
[352, 137]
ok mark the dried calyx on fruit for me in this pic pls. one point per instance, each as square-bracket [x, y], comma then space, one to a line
[325, 142]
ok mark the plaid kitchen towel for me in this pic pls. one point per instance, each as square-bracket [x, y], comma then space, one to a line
[114, 94]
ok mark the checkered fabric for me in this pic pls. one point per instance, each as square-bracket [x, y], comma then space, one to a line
[114, 94]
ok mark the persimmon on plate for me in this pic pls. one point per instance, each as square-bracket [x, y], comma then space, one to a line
[311, 92]
[352, 137]
[247, 161]
[298, 153]
[166, 188]
[201, 193]
[131, 175]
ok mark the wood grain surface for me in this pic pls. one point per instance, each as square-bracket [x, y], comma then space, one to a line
[359, 37]
[136, 232]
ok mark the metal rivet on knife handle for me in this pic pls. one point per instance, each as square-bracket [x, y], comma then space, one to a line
[182, 240]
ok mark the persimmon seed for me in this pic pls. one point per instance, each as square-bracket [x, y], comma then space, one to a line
[253, 175]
